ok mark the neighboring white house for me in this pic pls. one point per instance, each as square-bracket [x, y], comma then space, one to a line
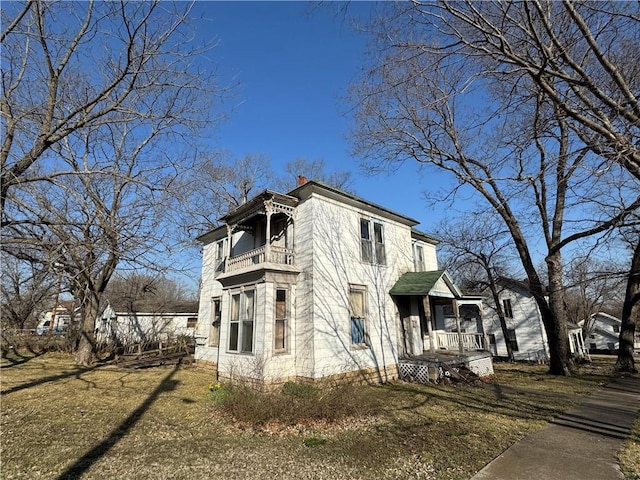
[525, 330]
[319, 283]
[603, 332]
[130, 323]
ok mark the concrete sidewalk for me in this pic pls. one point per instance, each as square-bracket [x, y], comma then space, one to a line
[581, 444]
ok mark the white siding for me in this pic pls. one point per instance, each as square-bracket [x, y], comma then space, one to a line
[530, 334]
[337, 265]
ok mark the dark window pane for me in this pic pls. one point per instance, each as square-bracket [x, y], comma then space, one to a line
[357, 330]
[233, 336]
[247, 336]
[364, 230]
[281, 303]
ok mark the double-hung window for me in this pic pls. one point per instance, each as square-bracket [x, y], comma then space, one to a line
[241, 322]
[372, 242]
[216, 318]
[357, 312]
[418, 257]
[506, 308]
[281, 320]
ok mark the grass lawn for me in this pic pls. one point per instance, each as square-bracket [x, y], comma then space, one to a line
[59, 421]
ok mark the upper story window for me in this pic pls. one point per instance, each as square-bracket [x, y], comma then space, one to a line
[372, 242]
[418, 257]
[192, 322]
[220, 253]
[616, 329]
[506, 308]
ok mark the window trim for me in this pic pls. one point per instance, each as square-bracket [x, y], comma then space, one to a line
[418, 263]
[285, 320]
[192, 322]
[216, 321]
[365, 318]
[370, 246]
[241, 321]
[507, 308]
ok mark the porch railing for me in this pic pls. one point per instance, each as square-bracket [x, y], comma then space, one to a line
[451, 341]
[278, 255]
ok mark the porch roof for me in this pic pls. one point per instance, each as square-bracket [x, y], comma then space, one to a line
[421, 283]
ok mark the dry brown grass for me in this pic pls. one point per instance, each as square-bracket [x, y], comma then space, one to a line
[62, 422]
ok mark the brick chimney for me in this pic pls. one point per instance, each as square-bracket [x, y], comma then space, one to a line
[302, 180]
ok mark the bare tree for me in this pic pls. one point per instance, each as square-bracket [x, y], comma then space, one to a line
[479, 253]
[69, 66]
[26, 290]
[90, 223]
[313, 170]
[592, 286]
[148, 291]
[439, 94]
[219, 182]
[95, 96]
[215, 184]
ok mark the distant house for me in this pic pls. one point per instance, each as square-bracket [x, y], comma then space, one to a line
[319, 283]
[525, 330]
[603, 332]
[140, 322]
[58, 319]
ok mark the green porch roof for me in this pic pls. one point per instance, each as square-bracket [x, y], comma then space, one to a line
[416, 283]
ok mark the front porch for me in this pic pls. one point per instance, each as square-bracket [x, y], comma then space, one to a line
[461, 342]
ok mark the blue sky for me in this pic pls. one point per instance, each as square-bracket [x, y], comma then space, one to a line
[293, 64]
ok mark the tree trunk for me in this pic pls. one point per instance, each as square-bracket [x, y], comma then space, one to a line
[503, 322]
[562, 364]
[85, 350]
[630, 315]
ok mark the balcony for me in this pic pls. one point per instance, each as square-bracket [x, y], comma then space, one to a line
[258, 256]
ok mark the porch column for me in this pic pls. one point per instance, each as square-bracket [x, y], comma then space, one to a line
[228, 249]
[427, 314]
[456, 313]
[268, 208]
[485, 337]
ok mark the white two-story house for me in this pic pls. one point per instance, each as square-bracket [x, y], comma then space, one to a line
[318, 283]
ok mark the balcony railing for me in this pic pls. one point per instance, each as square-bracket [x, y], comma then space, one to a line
[451, 341]
[277, 255]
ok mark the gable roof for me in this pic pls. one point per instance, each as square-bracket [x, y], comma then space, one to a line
[422, 283]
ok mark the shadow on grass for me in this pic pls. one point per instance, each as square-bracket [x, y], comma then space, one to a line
[15, 358]
[88, 459]
[52, 378]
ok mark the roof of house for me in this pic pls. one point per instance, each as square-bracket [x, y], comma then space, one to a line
[425, 237]
[311, 186]
[607, 316]
[302, 192]
[421, 283]
[127, 306]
